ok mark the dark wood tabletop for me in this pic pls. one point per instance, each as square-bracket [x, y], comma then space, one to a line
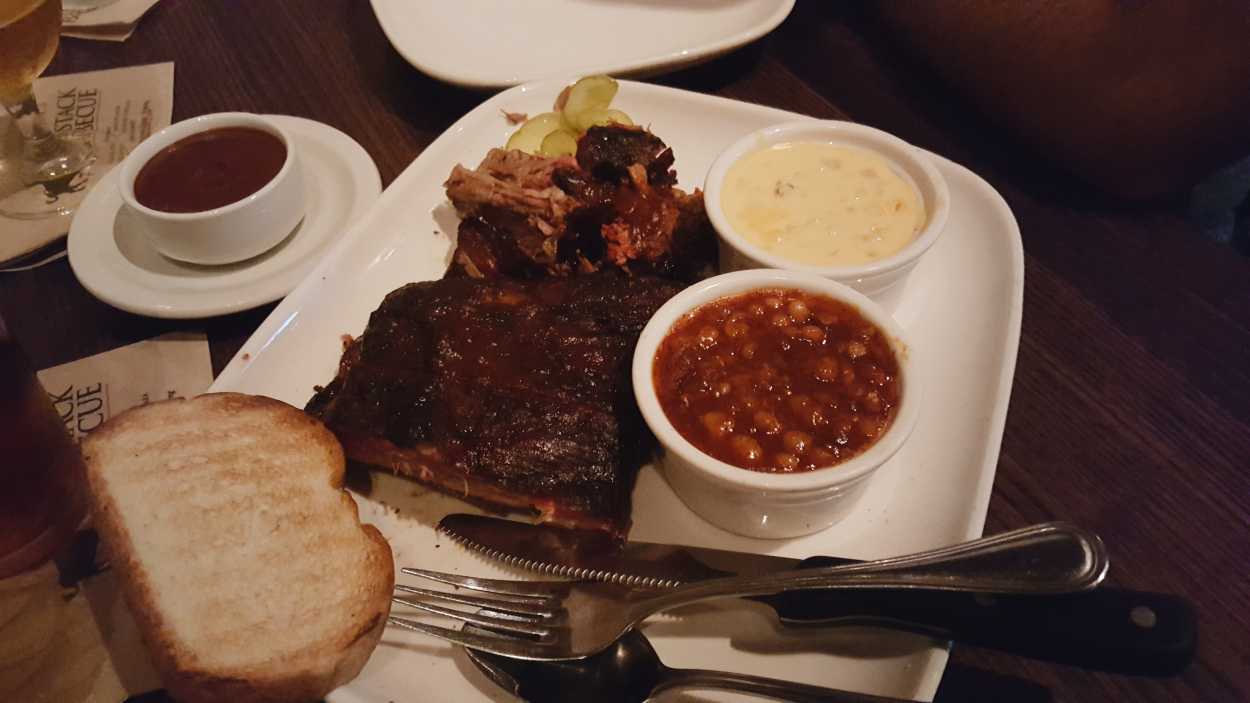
[1130, 411]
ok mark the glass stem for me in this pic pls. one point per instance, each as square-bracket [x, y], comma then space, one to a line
[41, 141]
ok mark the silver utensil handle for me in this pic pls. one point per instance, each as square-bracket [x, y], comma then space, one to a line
[759, 685]
[1043, 559]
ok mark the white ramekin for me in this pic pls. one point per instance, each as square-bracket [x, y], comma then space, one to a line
[880, 280]
[754, 503]
[230, 233]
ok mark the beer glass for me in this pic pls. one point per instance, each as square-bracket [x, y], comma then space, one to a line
[42, 504]
[43, 174]
[41, 473]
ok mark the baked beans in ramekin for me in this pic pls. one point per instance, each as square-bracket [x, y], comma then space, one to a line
[775, 396]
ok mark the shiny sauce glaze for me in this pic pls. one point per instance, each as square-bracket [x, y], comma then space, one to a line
[778, 381]
[209, 170]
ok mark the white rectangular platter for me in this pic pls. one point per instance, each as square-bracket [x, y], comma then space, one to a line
[962, 306]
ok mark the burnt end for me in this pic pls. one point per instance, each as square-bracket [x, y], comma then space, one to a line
[694, 247]
[498, 242]
[583, 188]
[583, 240]
[608, 151]
[660, 171]
[506, 392]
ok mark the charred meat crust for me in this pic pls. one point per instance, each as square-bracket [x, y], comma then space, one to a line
[512, 393]
[607, 153]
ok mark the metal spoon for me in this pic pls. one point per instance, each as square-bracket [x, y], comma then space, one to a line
[630, 671]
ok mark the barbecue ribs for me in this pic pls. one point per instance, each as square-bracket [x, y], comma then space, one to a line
[512, 393]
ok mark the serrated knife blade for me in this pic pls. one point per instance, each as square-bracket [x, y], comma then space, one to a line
[594, 556]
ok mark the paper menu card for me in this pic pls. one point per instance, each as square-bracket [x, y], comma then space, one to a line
[89, 391]
[109, 20]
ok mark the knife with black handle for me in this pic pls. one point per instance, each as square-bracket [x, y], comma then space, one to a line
[1107, 629]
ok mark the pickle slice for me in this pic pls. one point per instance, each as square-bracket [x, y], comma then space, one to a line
[589, 93]
[580, 106]
[559, 143]
[602, 116]
[529, 136]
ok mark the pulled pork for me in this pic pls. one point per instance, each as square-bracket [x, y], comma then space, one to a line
[616, 205]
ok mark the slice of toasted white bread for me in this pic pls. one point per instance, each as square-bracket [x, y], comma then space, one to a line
[241, 557]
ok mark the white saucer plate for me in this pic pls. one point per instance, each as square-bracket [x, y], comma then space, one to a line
[497, 43]
[962, 304]
[116, 264]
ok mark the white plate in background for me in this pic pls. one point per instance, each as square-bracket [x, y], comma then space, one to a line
[962, 303]
[497, 43]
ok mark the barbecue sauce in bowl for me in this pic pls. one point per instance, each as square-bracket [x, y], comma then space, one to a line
[209, 170]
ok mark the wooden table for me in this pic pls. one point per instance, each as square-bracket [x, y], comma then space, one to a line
[1131, 406]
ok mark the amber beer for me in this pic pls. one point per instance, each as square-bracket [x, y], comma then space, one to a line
[41, 473]
[29, 32]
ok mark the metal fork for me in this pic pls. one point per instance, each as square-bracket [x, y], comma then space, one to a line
[552, 620]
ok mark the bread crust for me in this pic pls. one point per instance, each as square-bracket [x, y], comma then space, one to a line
[313, 670]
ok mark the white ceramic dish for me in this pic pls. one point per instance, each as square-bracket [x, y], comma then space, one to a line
[758, 504]
[961, 306]
[880, 280]
[497, 43]
[230, 233]
[113, 260]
